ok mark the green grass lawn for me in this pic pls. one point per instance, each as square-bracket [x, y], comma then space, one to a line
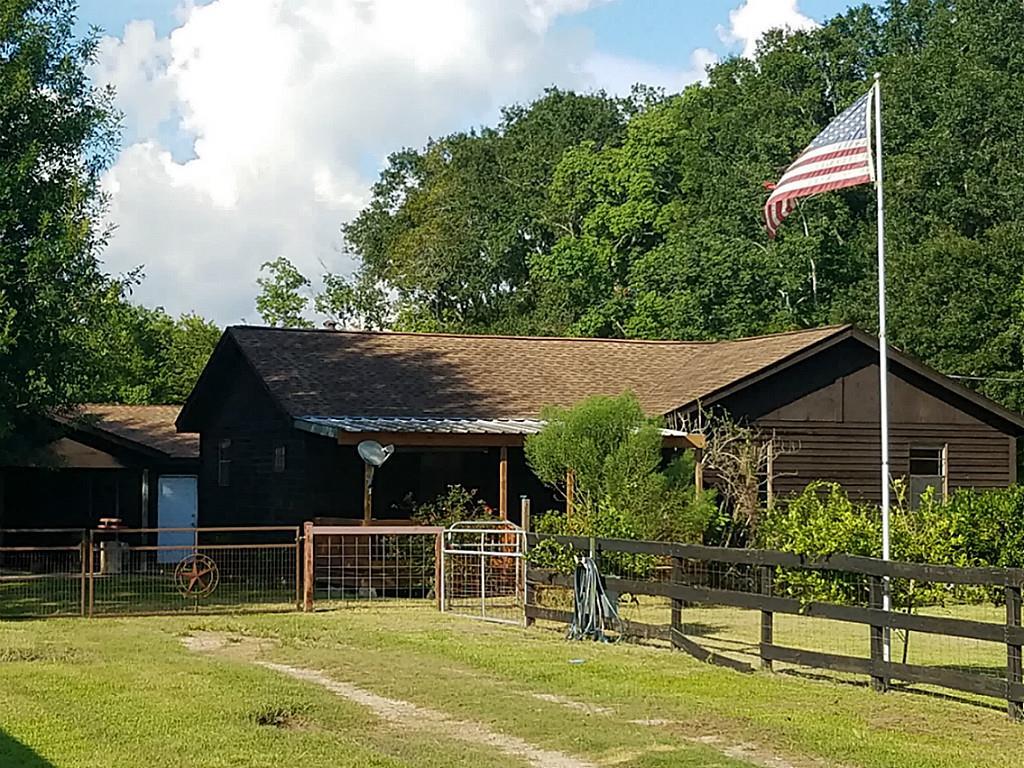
[116, 692]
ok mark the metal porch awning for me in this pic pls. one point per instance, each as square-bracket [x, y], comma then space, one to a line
[404, 428]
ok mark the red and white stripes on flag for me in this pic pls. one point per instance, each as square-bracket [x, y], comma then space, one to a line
[839, 157]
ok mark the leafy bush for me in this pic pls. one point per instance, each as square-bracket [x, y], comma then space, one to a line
[455, 504]
[972, 528]
[621, 489]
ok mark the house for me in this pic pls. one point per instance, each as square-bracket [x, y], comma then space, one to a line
[279, 414]
[125, 462]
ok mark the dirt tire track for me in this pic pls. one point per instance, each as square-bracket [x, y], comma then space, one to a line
[409, 715]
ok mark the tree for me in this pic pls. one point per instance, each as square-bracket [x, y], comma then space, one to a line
[622, 485]
[140, 355]
[281, 300]
[192, 340]
[449, 229]
[643, 218]
[57, 133]
[353, 302]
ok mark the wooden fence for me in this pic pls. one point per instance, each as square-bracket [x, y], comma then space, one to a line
[677, 580]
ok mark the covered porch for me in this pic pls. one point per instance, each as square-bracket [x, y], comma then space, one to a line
[431, 454]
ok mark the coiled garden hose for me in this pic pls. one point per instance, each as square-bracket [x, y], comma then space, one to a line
[593, 613]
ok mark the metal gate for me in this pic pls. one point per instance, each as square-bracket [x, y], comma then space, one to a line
[484, 571]
[372, 562]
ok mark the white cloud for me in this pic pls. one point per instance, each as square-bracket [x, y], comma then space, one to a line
[749, 22]
[136, 65]
[254, 129]
[282, 104]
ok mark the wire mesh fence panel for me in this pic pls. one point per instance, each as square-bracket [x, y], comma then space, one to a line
[222, 570]
[484, 572]
[357, 564]
[909, 624]
[42, 572]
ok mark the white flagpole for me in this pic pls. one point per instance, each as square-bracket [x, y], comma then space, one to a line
[883, 358]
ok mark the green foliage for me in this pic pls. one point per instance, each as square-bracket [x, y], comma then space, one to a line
[281, 300]
[141, 355]
[57, 133]
[621, 489]
[450, 229]
[353, 303]
[971, 528]
[591, 216]
[454, 505]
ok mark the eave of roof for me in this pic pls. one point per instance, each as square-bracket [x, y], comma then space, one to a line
[147, 430]
[332, 426]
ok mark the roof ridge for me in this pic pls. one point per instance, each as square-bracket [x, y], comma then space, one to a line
[511, 337]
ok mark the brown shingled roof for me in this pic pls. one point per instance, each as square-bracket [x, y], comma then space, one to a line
[341, 373]
[151, 426]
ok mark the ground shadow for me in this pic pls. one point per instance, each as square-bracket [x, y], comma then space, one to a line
[14, 754]
[699, 629]
[895, 685]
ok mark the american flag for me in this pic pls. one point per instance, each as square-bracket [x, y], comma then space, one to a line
[839, 157]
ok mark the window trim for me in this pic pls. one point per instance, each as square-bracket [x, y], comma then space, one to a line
[943, 459]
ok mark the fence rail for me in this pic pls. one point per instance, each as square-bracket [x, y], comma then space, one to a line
[686, 576]
[134, 571]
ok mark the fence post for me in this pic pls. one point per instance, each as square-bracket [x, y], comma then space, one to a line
[879, 682]
[298, 567]
[439, 570]
[767, 574]
[676, 627]
[1014, 700]
[84, 582]
[307, 577]
[528, 595]
[92, 574]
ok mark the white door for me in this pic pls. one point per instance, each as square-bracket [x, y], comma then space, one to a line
[177, 507]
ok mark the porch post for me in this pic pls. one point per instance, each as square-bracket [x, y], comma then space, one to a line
[367, 494]
[503, 484]
[698, 469]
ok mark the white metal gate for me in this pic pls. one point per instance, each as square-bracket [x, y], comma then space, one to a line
[484, 571]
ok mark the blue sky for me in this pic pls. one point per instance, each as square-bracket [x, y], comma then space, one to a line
[660, 31]
[255, 128]
[665, 31]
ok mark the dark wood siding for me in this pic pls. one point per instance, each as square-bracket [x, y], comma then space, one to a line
[256, 494]
[851, 455]
[827, 410]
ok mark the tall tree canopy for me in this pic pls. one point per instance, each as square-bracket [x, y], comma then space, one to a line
[57, 132]
[642, 218]
[141, 355]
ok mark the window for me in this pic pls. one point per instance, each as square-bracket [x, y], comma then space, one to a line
[927, 470]
[224, 463]
[279, 460]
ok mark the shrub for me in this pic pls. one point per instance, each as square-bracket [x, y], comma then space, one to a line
[622, 489]
[973, 528]
[454, 504]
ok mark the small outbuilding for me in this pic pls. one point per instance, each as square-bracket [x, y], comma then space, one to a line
[116, 462]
